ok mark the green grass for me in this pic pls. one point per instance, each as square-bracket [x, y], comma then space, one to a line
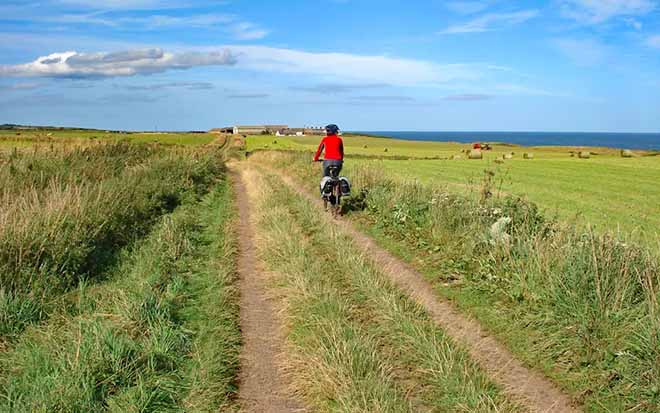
[579, 305]
[609, 193]
[67, 212]
[160, 335]
[356, 145]
[606, 191]
[19, 138]
[357, 342]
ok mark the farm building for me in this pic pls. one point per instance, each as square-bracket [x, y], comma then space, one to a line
[280, 130]
[250, 130]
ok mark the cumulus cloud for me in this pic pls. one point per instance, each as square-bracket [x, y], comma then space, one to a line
[491, 22]
[123, 63]
[598, 11]
[332, 68]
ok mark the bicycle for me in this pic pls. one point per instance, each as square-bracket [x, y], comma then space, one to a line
[332, 192]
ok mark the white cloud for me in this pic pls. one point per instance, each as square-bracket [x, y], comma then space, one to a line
[126, 63]
[237, 28]
[320, 67]
[156, 21]
[598, 11]
[351, 67]
[583, 52]
[247, 31]
[123, 4]
[492, 21]
[466, 7]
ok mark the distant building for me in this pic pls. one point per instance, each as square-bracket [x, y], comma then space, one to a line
[314, 131]
[279, 130]
[258, 129]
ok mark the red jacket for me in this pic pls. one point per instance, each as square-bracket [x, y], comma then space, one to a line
[334, 148]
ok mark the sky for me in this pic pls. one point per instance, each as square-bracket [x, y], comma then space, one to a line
[473, 65]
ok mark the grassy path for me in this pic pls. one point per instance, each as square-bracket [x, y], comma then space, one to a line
[263, 386]
[356, 342]
[531, 388]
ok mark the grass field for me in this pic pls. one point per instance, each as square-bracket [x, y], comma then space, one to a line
[357, 344]
[27, 137]
[606, 191]
[579, 305]
[117, 273]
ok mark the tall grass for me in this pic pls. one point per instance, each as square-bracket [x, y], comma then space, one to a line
[64, 215]
[358, 343]
[581, 305]
[142, 341]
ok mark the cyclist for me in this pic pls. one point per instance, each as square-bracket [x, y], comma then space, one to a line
[333, 146]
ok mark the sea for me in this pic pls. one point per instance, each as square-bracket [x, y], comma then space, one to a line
[644, 141]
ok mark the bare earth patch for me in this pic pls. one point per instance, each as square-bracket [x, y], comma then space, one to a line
[263, 386]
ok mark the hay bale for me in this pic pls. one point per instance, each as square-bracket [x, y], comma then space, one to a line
[626, 153]
[456, 157]
[507, 156]
[528, 155]
[476, 154]
[584, 155]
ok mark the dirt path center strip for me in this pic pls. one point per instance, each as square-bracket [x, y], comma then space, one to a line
[263, 386]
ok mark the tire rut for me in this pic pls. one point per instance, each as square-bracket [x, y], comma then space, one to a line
[263, 386]
[530, 388]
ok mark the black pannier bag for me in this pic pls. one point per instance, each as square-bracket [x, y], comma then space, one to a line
[345, 186]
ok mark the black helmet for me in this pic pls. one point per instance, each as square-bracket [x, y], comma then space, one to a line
[332, 129]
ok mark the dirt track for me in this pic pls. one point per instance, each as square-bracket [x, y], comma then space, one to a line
[263, 386]
[532, 389]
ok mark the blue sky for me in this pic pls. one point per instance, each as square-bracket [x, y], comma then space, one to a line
[554, 65]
